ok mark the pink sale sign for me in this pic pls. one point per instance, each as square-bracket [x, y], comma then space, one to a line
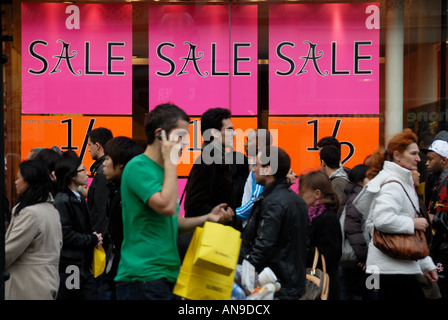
[324, 59]
[76, 58]
[203, 56]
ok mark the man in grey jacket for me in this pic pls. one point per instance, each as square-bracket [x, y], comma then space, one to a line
[330, 162]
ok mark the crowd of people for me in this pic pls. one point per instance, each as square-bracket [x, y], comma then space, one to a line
[131, 209]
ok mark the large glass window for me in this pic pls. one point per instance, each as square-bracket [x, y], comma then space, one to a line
[303, 69]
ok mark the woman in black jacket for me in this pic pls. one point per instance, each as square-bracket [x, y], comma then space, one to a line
[78, 237]
[325, 231]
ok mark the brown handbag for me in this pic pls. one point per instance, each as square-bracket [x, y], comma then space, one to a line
[317, 281]
[402, 246]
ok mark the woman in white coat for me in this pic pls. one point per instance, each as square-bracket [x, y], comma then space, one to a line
[387, 207]
[33, 240]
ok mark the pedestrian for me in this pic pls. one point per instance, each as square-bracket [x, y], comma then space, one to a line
[33, 152]
[424, 141]
[6, 209]
[98, 190]
[256, 139]
[210, 179]
[118, 152]
[437, 165]
[276, 233]
[150, 263]
[79, 239]
[50, 157]
[292, 177]
[325, 231]
[353, 261]
[34, 238]
[390, 201]
[330, 162]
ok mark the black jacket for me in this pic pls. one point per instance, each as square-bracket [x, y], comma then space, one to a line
[113, 237]
[97, 196]
[275, 237]
[208, 185]
[325, 234]
[438, 206]
[78, 239]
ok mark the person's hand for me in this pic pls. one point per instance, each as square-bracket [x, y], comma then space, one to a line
[170, 149]
[361, 265]
[100, 239]
[420, 224]
[431, 275]
[221, 213]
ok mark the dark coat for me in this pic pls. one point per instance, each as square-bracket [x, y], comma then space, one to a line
[275, 237]
[78, 239]
[208, 185]
[438, 206]
[114, 234]
[325, 234]
[353, 226]
[97, 195]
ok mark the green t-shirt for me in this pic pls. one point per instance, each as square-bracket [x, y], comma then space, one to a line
[149, 250]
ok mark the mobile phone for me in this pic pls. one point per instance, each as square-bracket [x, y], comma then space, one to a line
[159, 135]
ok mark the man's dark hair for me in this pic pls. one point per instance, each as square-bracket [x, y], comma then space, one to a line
[329, 141]
[331, 155]
[164, 116]
[358, 173]
[280, 156]
[212, 119]
[49, 157]
[100, 135]
[122, 149]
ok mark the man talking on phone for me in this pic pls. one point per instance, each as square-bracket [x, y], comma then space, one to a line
[150, 262]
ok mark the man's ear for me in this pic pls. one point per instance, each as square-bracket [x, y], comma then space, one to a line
[322, 163]
[215, 133]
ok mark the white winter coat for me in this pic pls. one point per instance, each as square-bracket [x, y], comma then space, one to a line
[390, 210]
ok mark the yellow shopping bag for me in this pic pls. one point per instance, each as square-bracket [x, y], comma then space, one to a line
[198, 283]
[98, 261]
[218, 248]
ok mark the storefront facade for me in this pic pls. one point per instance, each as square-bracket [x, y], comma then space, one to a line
[359, 71]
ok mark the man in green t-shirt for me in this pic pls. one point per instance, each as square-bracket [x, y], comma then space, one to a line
[150, 263]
